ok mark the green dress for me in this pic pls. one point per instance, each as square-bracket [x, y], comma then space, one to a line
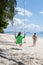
[19, 39]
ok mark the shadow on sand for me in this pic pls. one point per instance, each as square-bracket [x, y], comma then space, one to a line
[19, 63]
[10, 59]
[7, 43]
[15, 49]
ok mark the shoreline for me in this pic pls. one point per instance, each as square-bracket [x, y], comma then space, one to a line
[29, 34]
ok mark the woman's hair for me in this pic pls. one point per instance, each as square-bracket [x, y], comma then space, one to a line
[34, 33]
[19, 34]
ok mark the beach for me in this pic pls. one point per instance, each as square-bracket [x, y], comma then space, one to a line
[13, 54]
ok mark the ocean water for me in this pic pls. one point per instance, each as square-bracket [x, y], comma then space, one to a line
[27, 33]
[38, 34]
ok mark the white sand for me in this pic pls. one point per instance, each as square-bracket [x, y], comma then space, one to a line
[26, 54]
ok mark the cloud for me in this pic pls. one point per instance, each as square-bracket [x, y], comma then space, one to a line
[23, 12]
[33, 28]
[24, 27]
[18, 21]
[20, 24]
[41, 12]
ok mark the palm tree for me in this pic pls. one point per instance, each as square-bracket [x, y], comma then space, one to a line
[7, 11]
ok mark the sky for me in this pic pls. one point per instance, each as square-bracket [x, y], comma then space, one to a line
[29, 17]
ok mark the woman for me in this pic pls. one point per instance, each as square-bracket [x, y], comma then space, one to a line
[34, 39]
[19, 38]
